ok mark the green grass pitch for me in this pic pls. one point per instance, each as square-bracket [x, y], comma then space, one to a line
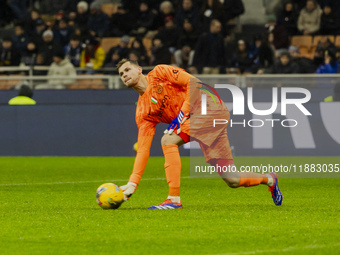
[48, 206]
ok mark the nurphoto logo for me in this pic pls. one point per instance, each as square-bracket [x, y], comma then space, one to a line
[239, 104]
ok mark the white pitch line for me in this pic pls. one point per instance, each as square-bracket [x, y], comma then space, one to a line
[288, 249]
[78, 182]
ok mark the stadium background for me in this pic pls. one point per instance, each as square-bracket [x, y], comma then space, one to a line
[48, 203]
[94, 123]
[72, 114]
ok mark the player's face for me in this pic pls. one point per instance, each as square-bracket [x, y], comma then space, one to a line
[129, 74]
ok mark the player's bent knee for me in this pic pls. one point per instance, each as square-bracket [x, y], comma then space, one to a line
[164, 140]
[171, 139]
[232, 182]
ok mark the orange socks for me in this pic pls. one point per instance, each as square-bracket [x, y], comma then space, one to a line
[248, 179]
[172, 168]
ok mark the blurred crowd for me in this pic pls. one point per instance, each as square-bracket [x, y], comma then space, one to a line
[196, 35]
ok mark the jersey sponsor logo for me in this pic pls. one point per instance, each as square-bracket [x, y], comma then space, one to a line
[161, 109]
[159, 89]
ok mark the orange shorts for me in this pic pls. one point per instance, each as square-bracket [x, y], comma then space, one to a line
[185, 131]
[219, 147]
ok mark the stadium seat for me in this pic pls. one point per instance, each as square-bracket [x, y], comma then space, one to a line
[304, 50]
[307, 52]
[87, 83]
[337, 41]
[304, 40]
[131, 40]
[233, 70]
[147, 42]
[108, 42]
[305, 45]
[49, 19]
[312, 52]
[12, 83]
[97, 83]
[317, 38]
[81, 83]
[3, 83]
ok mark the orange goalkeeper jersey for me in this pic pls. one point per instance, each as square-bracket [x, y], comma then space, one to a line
[167, 93]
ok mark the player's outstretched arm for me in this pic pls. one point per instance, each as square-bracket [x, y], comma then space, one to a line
[145, 136]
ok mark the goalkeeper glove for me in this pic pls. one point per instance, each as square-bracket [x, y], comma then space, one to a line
[176, 123]
[128, 189]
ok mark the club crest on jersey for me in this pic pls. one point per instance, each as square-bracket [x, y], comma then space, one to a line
[154, 100]
[159, 89]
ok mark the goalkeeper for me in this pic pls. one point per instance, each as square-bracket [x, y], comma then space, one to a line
[164, 97]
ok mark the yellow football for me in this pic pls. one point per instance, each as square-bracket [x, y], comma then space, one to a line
[109, 196]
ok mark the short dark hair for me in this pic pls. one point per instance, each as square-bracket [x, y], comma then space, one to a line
[59, 53]
[35, 10]
[213, 22]
[63, 19]
[91, 41]
[75, 37]
[7, 39]
[19, 24]
[315, 3]
[25, 91]
[39, 22]
[123, 61]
